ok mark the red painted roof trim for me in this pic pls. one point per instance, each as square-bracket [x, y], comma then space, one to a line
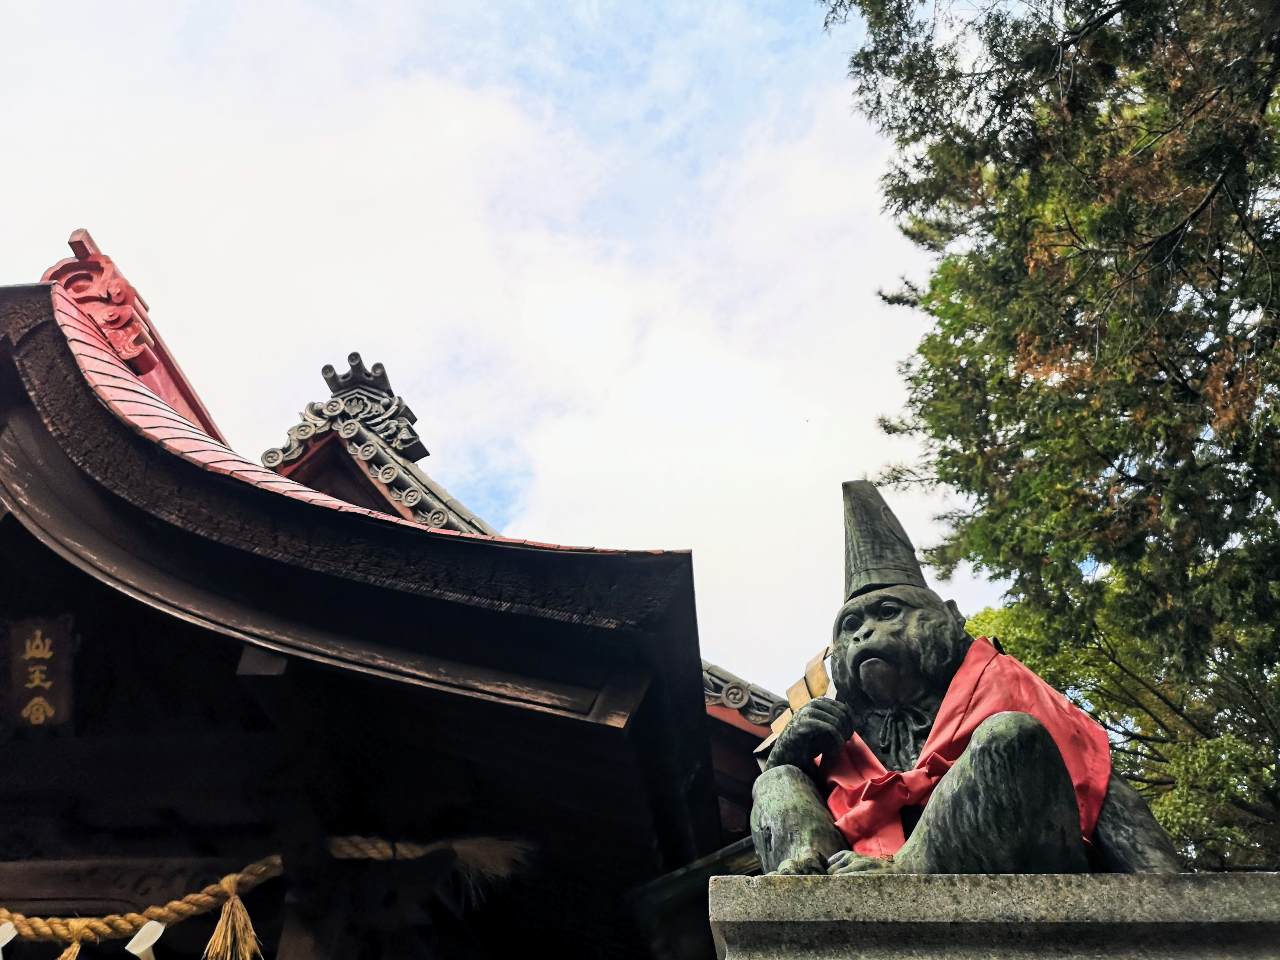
[127, 395]
[735, 719]
[96, 284]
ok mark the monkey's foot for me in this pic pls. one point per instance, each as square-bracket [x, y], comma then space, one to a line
[806, 863]
[846, 861]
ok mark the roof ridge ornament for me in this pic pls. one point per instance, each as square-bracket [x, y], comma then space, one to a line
[375, 427]
[374, 378]
[361, 397]
[101, 291]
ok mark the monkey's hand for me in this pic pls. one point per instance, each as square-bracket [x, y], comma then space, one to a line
[846, 861]
[820, 726]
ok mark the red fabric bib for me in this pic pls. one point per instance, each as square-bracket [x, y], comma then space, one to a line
[866, 799]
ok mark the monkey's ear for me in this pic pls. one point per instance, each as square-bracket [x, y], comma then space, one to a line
[955, 611]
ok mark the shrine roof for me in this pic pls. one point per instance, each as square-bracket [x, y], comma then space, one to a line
[109, 460]
[148, 414]
[127, 365]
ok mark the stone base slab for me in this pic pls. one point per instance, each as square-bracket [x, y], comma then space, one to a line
[967, 917]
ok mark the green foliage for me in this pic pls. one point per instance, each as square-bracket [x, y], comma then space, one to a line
[1101, 186]
[1203, 751]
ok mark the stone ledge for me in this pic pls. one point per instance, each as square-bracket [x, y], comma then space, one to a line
[1070, 917]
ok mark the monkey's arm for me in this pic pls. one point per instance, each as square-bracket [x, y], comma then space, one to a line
[790, 824]
[1128, 836]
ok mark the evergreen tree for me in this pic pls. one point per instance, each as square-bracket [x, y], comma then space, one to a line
[1203, 751]
[1101, 187]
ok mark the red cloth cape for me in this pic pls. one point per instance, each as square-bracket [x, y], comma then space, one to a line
[866, 799]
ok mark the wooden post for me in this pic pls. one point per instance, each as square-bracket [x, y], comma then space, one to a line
[305, 939]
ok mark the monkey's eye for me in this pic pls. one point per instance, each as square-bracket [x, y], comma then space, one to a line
[849, 624]
[887, 611]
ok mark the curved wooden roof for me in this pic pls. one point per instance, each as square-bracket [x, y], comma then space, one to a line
[104, 471]
[143, 411]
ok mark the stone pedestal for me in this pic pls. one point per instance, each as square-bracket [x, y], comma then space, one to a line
[1065, 917]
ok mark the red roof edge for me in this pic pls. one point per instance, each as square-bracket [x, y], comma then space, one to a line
[103, 294]
[97, 311]
[735, 719]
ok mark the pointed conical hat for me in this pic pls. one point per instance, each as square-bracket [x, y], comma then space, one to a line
[877, 551]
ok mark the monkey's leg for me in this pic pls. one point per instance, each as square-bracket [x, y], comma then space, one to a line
[1007, 806]
[790, 824]
[1128, 836]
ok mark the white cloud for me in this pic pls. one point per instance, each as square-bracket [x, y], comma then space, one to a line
[764, 358]
[645, 350]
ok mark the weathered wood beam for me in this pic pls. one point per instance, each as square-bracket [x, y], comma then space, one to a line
[95, 886]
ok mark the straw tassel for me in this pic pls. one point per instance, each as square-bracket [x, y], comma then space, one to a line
[73, 948]
[233, 937]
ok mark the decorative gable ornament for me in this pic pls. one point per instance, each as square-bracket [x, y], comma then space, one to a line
[375, 426]
[362, 400]
[98, 287]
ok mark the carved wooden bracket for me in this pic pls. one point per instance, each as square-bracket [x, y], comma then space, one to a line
[107, 298]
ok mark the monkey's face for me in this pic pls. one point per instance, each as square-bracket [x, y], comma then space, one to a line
[894, 645]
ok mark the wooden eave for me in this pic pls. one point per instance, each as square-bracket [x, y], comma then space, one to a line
[107, 475]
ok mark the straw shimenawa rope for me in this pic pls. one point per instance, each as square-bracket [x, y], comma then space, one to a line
[75, 930]
[481, 859]
[490, 857]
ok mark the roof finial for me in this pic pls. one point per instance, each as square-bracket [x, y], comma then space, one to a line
[98, 287]
[357, 376]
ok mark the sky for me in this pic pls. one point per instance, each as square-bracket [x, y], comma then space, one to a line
[621, 259]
